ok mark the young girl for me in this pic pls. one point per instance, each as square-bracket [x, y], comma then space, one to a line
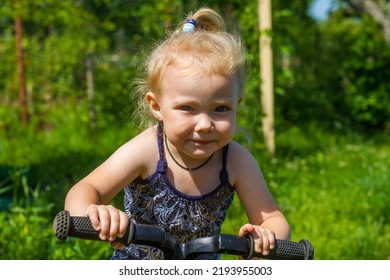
[182, 173]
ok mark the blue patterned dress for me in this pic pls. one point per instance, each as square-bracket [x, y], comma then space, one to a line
[156, 201]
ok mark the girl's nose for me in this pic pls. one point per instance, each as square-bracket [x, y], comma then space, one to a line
[204, 123]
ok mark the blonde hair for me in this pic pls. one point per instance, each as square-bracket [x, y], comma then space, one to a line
[209, 49]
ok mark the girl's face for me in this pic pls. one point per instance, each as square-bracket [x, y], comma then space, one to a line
[198, 112]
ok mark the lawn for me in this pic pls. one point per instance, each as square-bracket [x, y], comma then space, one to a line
[332, 187]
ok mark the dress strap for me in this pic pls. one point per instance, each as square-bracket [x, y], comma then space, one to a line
[223, 174]
[161, 164]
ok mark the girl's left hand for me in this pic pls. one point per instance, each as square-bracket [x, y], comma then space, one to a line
[263, 236]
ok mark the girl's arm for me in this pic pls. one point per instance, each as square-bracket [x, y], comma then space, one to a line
[89, 197]
[266, 221]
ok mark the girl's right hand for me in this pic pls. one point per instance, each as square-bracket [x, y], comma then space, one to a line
[109, 221]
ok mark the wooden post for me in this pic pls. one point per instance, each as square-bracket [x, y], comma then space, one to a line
[266, 73]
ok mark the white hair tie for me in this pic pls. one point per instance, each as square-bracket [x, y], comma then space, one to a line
[189, 25]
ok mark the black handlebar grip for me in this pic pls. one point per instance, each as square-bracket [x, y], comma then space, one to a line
[288, 250]
[81, 227]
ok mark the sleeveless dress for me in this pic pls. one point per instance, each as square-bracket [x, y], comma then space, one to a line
[156, 201]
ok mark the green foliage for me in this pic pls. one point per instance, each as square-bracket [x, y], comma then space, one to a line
[362, 74]
[332, 72]
[330, 79]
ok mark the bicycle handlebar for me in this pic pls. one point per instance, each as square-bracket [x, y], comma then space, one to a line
[65, 225]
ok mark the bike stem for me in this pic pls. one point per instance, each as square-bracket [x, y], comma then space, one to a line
[153, 236]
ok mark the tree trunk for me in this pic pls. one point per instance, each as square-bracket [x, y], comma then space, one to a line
[91, 92]
[266, 73]
[378, 13]
[20, 66]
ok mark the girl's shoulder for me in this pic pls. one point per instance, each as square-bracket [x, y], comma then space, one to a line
[141, 150]
[239, 154]
[145, 142]
[240, 161]
[146, 137]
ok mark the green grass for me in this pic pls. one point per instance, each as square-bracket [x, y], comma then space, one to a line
[336, 194]
[332, 187]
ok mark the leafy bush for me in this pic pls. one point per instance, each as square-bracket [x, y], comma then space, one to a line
[361, 76]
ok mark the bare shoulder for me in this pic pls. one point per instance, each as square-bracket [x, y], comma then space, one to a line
[241, 163]
[140, 152]
[144, 139]
[236, 149]
[239, 155]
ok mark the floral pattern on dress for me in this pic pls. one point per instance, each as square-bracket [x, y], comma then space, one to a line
[157, 202]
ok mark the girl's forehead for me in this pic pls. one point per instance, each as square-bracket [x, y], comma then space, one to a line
[176, 81]
[195, 73]
[175, 76]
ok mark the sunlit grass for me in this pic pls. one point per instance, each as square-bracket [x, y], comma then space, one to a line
[332, 187]
[336, 194]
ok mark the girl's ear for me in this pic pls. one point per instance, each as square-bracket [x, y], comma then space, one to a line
[154, 105]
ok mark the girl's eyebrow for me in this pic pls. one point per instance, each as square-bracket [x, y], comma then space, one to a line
[194, 100]
[224, 100]
[186, 101]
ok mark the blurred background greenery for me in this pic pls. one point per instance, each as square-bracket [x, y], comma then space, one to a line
[331, 170]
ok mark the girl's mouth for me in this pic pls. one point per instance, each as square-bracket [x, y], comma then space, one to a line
[202, 142]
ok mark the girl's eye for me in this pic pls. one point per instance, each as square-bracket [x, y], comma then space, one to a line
[186, 108]
[221, 109]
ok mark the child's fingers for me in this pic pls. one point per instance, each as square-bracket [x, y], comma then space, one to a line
[114, 224]
[263, 236]
[118, 223]
[105, 222]
[266, 240]
[246, 229]
[93, 213]
[124, 223]
[263, 246]
[110, 221]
